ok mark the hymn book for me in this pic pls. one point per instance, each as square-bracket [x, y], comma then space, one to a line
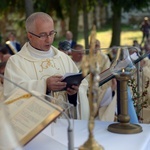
[72, 79]
[107, 74]
[30, 115]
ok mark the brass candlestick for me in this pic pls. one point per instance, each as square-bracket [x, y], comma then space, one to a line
[123, 68]
[90, 65]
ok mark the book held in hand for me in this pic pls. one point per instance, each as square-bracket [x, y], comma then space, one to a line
[72, 79]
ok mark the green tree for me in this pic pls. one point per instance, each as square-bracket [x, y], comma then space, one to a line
[85, 22]
[86, 7]
[60, 9]
[13, 13]
[10, 11]
[28, 7]
[117, 7]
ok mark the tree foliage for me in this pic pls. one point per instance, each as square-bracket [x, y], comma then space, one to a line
[127, 5]
[118, 6]
[71, 9]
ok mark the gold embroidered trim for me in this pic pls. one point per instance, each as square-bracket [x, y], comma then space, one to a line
[47, 63]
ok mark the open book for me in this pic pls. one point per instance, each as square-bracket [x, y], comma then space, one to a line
[72, 79]
[30, 115]
[107, 74]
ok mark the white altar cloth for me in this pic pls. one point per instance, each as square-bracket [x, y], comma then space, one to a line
[54, 137]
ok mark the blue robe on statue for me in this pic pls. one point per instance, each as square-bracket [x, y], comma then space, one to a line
[131, 109]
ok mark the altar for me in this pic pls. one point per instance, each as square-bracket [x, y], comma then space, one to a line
[54, 137]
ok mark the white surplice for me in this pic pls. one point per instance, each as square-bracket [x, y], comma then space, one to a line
[107, 103]
[31, 73]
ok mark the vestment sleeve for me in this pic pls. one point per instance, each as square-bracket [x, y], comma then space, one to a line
[15, 72]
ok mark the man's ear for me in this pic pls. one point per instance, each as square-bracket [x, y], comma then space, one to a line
[29, 36]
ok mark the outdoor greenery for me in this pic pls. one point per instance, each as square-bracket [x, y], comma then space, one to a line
[104, 35]
[140, 100]
[70, 9]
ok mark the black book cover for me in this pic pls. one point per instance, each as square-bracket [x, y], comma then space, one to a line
[72, 79]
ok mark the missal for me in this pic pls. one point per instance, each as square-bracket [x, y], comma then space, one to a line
[29, 115]
[107, 74]
[72, 79]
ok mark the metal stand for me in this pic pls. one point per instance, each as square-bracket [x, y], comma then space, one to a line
[93, 68]
[124, 127]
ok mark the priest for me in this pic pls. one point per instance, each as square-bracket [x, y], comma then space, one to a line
[39, 66]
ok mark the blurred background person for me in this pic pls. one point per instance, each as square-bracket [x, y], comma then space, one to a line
[4, 60]
[12, 45]
[106, 101]
[136, 44]
[65, 47]
[77, 55]
[3, 51]
[107, 98]
[3, 63]
[146, 46]
[145, 28]
[145, 81]
[69, 38]
[103, 58]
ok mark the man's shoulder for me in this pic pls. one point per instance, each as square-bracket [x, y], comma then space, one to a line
[14, 57]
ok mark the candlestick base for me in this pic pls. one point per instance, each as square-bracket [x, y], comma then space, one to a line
[91, 144]
[124, 128]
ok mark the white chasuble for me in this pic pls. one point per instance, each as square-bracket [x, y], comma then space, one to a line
[107, 104]
[31, 73]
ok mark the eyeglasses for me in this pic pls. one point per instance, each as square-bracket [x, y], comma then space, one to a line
[45, 35]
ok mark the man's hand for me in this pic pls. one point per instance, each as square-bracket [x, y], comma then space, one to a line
[54, 83]
[73, 90]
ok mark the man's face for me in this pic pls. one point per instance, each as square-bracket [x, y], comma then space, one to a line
[77, 55]
[69, 36]
[42, 29]
[11, 37]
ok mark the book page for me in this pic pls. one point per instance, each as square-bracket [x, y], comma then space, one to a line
[30, 115]
[134, 56]
[70, 74]
[105, 74]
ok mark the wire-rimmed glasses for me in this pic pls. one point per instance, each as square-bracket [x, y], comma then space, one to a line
[45, 35]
